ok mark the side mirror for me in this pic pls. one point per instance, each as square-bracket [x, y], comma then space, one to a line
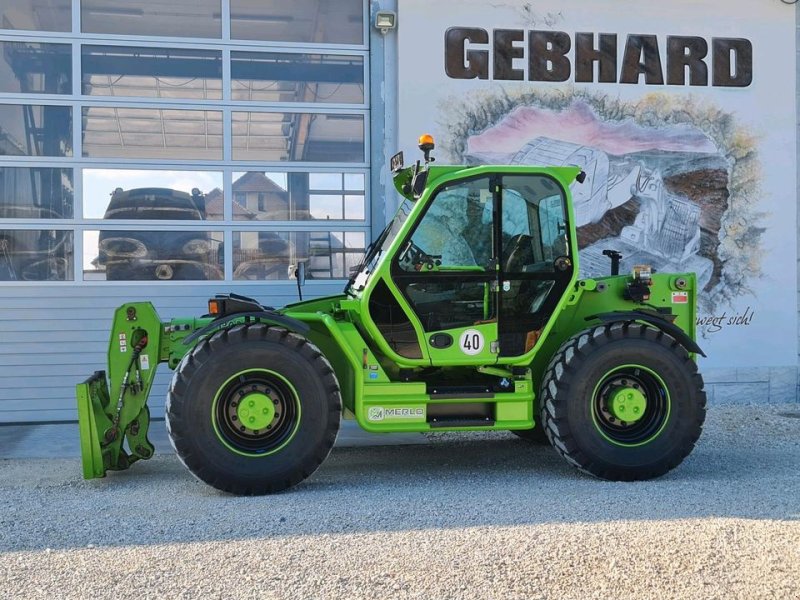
[298, 272]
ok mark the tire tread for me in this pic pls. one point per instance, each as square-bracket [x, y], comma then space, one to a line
[568, 360]
[179, 427]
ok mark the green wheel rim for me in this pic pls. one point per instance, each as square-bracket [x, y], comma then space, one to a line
[630, 405]
[256, 413]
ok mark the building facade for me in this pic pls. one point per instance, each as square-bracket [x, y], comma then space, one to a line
[168, 152]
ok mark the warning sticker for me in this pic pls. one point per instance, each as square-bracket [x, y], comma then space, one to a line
[144, 362]
[680, 297]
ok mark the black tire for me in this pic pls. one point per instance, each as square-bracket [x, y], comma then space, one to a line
[607, 362]
[535, 435]
[277, 368]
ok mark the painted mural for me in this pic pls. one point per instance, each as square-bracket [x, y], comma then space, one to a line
[661, 176]
[682, 114]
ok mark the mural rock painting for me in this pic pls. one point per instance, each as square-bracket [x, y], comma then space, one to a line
[658, 194]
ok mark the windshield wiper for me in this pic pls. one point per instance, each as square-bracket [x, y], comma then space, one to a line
[367, 257]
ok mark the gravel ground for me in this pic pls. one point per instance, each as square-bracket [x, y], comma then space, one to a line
[466, 516]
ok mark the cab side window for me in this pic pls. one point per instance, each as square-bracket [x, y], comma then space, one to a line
[534, 225]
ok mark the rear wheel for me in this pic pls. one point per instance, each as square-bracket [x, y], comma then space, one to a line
[623, 402]
[253, 410]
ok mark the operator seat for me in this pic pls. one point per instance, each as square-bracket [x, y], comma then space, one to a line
[524, 296]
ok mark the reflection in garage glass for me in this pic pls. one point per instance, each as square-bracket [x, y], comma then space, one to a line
[167, 150]
[39, 15]
[28, 67]
[268, 254]
[151, 72]
[176, 18]
[147, 255]
[36, 255]
[35, 130]
[309, 21]
[298, 196]
[152, 194]
[317, 137]
[111, 132]
[36, 193]
[284, 77]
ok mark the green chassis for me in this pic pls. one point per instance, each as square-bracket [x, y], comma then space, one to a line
[370, 373]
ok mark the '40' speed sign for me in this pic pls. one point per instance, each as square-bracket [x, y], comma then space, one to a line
[471, 342]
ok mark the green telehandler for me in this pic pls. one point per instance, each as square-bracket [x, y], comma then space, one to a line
[466, 314]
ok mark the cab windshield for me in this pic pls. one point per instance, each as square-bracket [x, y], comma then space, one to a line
[375, 250]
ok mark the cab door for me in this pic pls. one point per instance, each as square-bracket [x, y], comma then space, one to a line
[446, 270]
[536, 263]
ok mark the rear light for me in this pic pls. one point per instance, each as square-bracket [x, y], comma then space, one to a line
[214, 307]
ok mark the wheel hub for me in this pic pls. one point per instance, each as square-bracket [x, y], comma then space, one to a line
[630, 405]
[255, 411]
[627, 404]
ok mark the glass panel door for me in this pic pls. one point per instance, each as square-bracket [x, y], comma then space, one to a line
[447, 271]
[535, 265]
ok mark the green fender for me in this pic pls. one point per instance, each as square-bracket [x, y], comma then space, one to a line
[651, 319]
[267, 317]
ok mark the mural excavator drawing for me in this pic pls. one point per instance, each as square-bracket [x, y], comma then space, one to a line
[666, 231]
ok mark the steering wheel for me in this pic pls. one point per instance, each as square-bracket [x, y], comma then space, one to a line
[419, 259]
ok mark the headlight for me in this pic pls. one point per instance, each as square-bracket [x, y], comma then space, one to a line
[196, 247]
[122, 247]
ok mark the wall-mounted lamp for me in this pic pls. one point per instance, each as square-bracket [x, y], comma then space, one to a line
[385, 20]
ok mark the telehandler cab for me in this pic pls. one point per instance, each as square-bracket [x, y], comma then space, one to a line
[466, 313]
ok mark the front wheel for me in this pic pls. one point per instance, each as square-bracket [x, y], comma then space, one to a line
[253, 410]
[623, 402]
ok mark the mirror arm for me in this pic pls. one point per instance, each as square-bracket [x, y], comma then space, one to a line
[298, 272]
